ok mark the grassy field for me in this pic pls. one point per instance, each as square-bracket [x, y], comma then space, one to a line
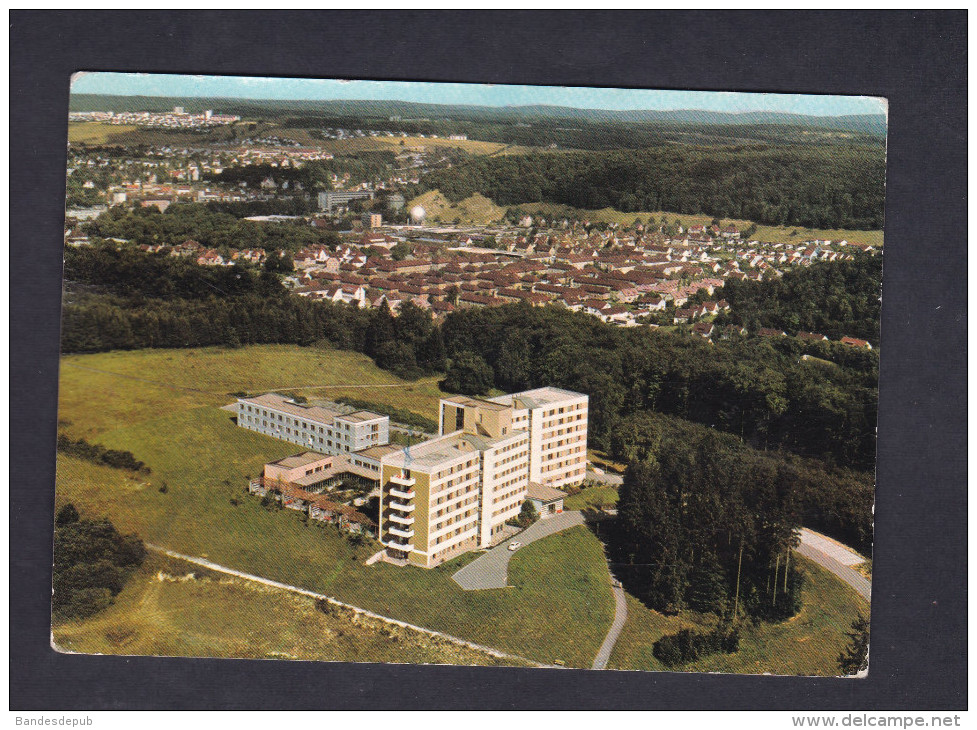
[771, 234]
[170, 608]
[807, 644]
[97, 132]
[559, 605]
[604, 495]
[135, 386]
[100, 133]
[478, 210]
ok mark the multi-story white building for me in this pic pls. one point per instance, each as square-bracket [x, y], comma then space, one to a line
[455, 492]
[312, 427]
[557, 424]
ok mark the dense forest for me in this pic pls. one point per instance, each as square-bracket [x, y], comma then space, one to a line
[835, 299]
[787, 185]
[709, 525]
[215, 225]
[758, 389]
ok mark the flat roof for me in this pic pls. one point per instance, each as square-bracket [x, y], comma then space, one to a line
[544, 493]
[464, 400]
[434, 452]
[378, 452]
[443, 449]
[360, 416]
[318, 414]
[539, 397]
[302, 459]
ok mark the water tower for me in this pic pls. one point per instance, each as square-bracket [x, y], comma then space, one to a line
[417, 215]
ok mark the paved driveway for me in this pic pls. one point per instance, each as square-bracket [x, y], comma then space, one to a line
[491, 570]
[615, 480]
[836, 558]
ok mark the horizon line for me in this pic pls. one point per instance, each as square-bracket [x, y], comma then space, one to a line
[271, 89]
[495, 106]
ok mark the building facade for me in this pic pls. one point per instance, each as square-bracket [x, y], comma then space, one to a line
[455, 492]
[312, 427]
[556, 420]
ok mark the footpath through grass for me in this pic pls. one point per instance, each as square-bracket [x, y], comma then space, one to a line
[808, 644]
[170, 608]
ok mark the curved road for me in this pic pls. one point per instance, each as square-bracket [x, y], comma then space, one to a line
[836, 558]
[491, 570]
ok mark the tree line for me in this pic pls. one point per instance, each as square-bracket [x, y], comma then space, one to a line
[758, 389]
[843, 187]
[214, 225]
[835, 299]
[121, 299]
[754, 388]
[99, 454]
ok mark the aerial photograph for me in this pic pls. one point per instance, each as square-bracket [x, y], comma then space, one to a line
[469, 374]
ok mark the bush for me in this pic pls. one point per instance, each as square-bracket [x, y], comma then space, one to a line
[688, 645]
[100, 455]
[92, 562]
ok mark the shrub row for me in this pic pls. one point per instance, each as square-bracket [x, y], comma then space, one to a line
[688, 645]
[100, 455]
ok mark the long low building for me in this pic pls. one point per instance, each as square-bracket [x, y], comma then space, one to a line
[312, 427]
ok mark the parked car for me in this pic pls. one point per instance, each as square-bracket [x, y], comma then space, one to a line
[515, 545]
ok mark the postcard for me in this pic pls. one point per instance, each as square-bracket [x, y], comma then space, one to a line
[429, 373]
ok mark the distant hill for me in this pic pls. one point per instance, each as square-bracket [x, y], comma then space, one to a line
[868, 124]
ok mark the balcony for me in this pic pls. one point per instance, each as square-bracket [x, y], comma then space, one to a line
[401, 532]
[400, 506]
[401, 520]
[401, 494]
[396, 545]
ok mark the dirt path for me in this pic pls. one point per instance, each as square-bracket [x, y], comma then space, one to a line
[319, 596]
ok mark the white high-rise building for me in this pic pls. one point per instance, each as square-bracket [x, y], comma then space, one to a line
[454, 493]
[557, 424]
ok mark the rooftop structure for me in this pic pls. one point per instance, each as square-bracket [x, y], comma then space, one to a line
[314, 427]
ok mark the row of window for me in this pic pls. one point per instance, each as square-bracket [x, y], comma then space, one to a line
[444, 510]
[440, 539]
[513, 507]
[453, 519]
[464, 466]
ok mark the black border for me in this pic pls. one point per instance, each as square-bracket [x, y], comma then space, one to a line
[916, 60]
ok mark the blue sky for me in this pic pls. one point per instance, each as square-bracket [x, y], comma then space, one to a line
[480, 94]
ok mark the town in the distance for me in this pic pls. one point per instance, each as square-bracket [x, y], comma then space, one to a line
[506, 385]
[650, 272]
